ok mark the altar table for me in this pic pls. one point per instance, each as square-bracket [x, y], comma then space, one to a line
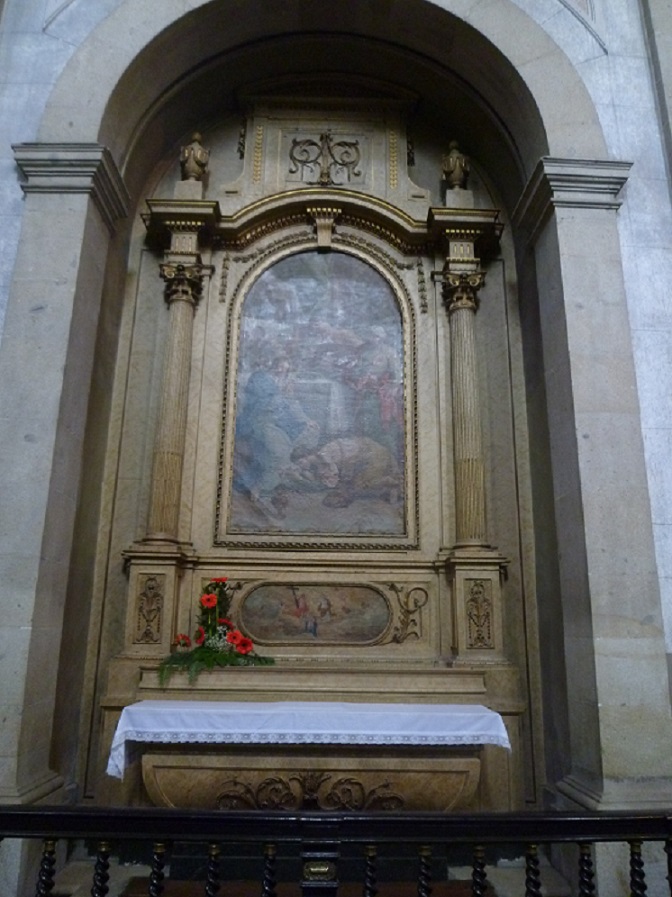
[329, 755]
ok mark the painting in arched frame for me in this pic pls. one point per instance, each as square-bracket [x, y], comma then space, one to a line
[319, 434]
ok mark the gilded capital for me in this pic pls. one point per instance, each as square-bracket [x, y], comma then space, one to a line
[460, 290]
[183, 282]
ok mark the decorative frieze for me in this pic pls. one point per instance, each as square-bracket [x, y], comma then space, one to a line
[308, 790]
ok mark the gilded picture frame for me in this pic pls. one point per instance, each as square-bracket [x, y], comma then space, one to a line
[318, 415]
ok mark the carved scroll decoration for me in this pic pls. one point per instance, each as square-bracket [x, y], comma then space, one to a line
[410, 604]
[479, 614]
[307, 790]
[325, 161]
[150, 608]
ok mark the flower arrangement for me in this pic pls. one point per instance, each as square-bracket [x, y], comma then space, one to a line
[216, 643]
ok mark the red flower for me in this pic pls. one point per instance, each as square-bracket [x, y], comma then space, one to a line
[219, 579]
[245, 645]
[222, 621]
[200, 635]
[208, 600]
[234, 636]
[182, 640]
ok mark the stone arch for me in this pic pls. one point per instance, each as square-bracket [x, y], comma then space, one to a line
[494, 57]
[500, 51]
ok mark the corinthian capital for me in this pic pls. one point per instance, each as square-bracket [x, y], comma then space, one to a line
[183, 282]
[460, 290]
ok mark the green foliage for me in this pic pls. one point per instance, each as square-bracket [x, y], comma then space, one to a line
[203, 658]
[218, 642]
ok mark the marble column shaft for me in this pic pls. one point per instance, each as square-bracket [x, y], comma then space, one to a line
[183, 287]
[461, 303]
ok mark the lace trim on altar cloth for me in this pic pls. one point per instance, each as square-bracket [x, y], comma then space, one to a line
[469, 726]
[309, 738]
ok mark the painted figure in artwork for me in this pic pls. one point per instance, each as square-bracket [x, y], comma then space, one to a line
[319, 438]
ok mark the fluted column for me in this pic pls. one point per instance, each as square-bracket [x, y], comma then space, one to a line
[474, 566]
[183, 288]
[460, 296]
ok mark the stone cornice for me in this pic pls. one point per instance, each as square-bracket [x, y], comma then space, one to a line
[75, 168]
[569, 183]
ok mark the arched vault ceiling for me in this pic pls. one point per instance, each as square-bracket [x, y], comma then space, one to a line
[151, 74]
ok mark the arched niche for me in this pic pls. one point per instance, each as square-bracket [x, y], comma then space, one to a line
[467, 69]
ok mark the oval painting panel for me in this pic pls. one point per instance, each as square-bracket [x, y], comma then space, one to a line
[350, 615]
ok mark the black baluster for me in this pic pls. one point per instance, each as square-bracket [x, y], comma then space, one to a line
[156, 876]
[101, 874]
[268, 882]
[425, 873]
[532, 877]
[45, 878]
[479, 879]
[212, 876]
[668, 851]
[370, 888]
[586, 872]
[637, 882]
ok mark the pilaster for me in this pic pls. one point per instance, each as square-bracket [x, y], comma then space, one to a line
[74, 194]
[618, 697]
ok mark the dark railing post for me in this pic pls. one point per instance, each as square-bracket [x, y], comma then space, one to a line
[586, 872]
[425, 873]
[268, 882]
[156, 874]
[45, 880]
[370, 888]
[668, 852]
[479, 879]
[101, 872]
[637, 880]
[532, 877]
[212, 874]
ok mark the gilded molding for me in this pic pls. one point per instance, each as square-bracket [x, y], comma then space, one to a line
[75, 168]
[258, 154]
[394, 160]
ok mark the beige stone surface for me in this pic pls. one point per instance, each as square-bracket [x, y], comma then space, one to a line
[313, 777]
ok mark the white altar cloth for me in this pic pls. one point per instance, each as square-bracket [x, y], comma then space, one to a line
[301, 722]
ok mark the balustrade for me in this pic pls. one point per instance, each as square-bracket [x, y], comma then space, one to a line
[319, 840]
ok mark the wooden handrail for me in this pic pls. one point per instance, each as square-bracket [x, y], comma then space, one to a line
[280, 826]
